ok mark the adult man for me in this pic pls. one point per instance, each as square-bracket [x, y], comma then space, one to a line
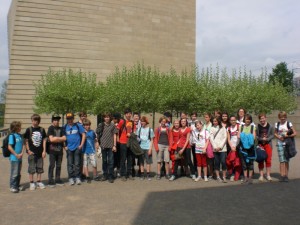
[75, 135]
[126, 127]
[55, 147]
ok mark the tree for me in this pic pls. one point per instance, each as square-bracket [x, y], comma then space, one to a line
[2, 102]
[65, 91]
[282, 75]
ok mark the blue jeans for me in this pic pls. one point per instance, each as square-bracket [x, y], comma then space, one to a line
[107, 162]
[15, 174]
[126, 154]
[220, 159]
[74, 161]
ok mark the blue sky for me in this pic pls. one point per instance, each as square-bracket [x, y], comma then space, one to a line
[231, 33]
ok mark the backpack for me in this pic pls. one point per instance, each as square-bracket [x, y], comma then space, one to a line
[5, 151]
[124, 125]
[99, 131]
[247, 140]
[149, 134]
[288, 126]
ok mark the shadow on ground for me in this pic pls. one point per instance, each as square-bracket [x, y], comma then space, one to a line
[267, 203]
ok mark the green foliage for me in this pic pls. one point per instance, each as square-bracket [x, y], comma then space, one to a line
[65, 91]
[282, 75]
[146, 89]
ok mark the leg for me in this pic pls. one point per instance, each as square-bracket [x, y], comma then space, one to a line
[110, 159]
[189, 160]
[59, 158]
[217, 163]
[31, 167]
[105, 162]
[51, 166]
[70, 164]
[167, 159]
[130, 157]
[77, 163]
[14, 174]
[123, 154]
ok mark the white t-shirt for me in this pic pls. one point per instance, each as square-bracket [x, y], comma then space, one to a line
[282, 129]
[199, 139]
[233, 134]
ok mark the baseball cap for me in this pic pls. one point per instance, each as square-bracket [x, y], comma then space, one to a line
[70, 115]
[56, 116]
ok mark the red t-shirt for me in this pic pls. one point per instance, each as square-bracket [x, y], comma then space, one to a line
[175, 136]
[123, 130]
[183, 136]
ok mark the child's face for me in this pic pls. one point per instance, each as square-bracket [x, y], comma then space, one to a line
[193, 117]
[215, 122]
[206, 118]
[224, 118]
[35, 123]
[128, 115]
[87, 127]
[241, 113]
[282, 119]
[163, 123]
[199, 126]
[106, 119]
[176, 124]
[183, 123]
[263, 120]
[136, 118]
[233, 121]
[143, 123]
[19, 129]
[247, 122]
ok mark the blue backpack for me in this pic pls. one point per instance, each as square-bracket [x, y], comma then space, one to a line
[247, 140]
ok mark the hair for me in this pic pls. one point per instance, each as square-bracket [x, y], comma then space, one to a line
[80, 114]
[136, 113]
[15, 126]
[282, 114]
[181, 121]
[232, 116]
[227, 122]
[217, 111]
[36, 117]
[162, 118]
[194, 113]
[86, 122]
[261, 115]
[248, 117]
[144, 119]
[106, 115]
[218, 119]
[128, 110]
[116, 116]
[198, 122]
[168, 114]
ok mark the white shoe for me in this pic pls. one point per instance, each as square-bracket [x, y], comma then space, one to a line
[261, 179]
[232, 178]
[193, 177]
[32, 187]
[172, 178]
[205, 179]
[269, 178]
[198, 179]
[40, 185]
[78, 181]
[71, 181]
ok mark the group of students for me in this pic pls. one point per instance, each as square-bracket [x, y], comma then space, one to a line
[201, 149]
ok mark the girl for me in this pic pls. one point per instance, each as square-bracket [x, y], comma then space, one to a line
[283, 129]
[225, 120]
[200, 139]
[15, 146]
[247, 129]
[233, 141]
[174, 141]
[184, 148]
[210, 161]
[162, 144]
[265, 134]
[218, 138]
[145, 136]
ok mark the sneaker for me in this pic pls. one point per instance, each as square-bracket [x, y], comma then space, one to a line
[130, 177]
[148, 177]
[285, 179]
[118, 174]
[269, 178]
[111, 180]
[281, 179]
[71, 181]
[198, 179]
[97, 178]
[168, 176]
[245, 181]
[219, 179]
[142, 177]
[51, 184]
[88, 180]
[158, 177]
[124, 178]
[78, 181]
[231, 178]
[172, 178]
[210, 178]
[193, 177]
[205, 179]
[32, 186]
[261, 179]
[104, 178]
[224, 180]
[40, 185]
[14, 190]
[250, 181]
[59, 183]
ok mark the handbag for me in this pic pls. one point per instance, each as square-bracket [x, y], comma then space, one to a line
[261, 154]
[177, 156]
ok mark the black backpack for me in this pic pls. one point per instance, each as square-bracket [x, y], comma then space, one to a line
[5, 151]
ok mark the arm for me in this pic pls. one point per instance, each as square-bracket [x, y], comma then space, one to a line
[114, 149]
[270, 133]
[212, 140]
[186, 143]
[170, 137]
[44, 147]
[57, 139]
[224, 138]
[82, 140]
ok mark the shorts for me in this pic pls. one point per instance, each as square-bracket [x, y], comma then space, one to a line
[201, 160]
[35, 164]
[89, 159]
[163, 153]
[145, 157]
[281, 155]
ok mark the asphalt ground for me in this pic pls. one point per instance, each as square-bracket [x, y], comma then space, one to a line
[153, 202]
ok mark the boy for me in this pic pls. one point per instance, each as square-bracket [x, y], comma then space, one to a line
[15, 146]
[35, 141]
[89, 151]
[57, 139]
[75, 135]
[108, 142]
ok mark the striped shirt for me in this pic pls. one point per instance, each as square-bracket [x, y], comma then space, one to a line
[107, 139]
